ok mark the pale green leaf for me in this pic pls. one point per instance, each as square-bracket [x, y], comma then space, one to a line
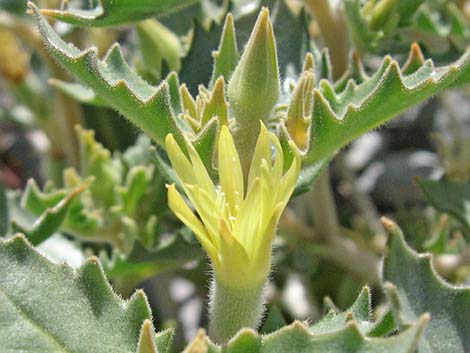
[115, 83]
[414, 288]
[338, 118]
[51, 308]
[296, 338]
[97, 13]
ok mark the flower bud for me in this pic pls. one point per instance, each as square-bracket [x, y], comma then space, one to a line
[254, 87]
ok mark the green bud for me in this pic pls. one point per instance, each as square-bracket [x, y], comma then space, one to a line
[254, 87]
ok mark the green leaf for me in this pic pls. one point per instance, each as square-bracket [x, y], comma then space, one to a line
[226, 56]
[360, 311]
[297, 338]
[338, 118]
[50, 308]
[115, 83]
[143, 263]
[274, 321]
[450, 197]
[99, 13]
[157, 44]
[372, 24]
[78, 92]
[50, 219]
[413, 288]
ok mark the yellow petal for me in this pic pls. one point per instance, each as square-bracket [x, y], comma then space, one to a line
[209, 211]
[180, 163]
[230, 170]
[200, 174]
[279, 159]
[184, 213]
[262, 151]
[248, 219]
[262, 248]
[289, 180]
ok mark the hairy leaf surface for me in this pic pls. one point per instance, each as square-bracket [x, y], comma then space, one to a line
[50, 308]
[97, 13]
[414, 288]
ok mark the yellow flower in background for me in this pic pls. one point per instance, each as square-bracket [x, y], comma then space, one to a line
[236, 223]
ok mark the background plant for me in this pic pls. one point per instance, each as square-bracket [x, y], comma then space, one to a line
[107, 196]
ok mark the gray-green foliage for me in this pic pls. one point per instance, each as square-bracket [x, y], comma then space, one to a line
[46, 307]
[381, 26]
[452, 197]
[80, 304]
[98, 13]
[413, 287]
[110, 200]
[339, 115]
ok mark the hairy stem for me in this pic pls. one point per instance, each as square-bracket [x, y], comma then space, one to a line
[233, 309]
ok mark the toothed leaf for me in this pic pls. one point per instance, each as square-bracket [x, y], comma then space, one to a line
[360, 311]
[297, 338]
[46, 307]
[338, 118]
[115, 83]
[51, 215]
[413, 288]
[99, 13]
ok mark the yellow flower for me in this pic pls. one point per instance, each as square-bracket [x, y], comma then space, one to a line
[235, 223]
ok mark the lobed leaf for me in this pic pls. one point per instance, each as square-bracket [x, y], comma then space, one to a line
[115, 83]
[50, 308]
[413, 288]
[338, 118]
[50, 215]
[97, 13]
[297, 338]
[143, 263]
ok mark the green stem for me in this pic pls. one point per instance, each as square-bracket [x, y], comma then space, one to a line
[233, 309]
[325, 214]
